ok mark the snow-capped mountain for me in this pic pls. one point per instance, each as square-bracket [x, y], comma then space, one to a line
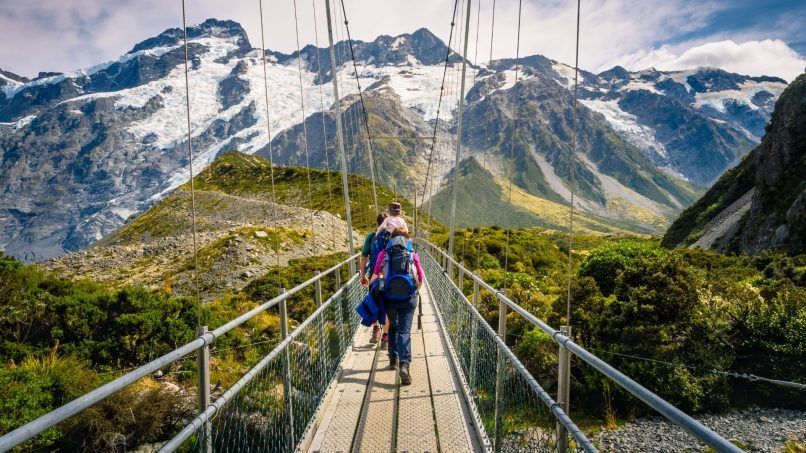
[83, 151]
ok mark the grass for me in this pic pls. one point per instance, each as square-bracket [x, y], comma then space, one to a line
[240, 174]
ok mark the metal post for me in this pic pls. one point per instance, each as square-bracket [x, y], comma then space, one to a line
[203, 363]
[338, 279]
[563, 389]
[340, 137]
[419, 311]
[317, 295]
[318, 290]
[474, 336]
[287, 385]
[459, 138]
[461, 281]
[415, 211]
[499, 372]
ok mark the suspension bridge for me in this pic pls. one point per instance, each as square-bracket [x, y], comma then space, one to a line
[325, 388]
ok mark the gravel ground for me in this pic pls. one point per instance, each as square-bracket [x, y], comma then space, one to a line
[763, 430]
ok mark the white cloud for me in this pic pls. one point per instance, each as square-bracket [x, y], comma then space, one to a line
[771, 57]
[64, 35]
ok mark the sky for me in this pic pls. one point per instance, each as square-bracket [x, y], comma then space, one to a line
[753, 37]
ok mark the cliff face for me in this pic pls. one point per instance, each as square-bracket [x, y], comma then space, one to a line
[761, 203]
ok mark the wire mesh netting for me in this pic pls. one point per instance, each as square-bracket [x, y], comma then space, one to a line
[512, 413]
[274, 409]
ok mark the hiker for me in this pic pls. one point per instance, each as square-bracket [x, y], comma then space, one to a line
[399, 268]
[395, 219]
[369, 254]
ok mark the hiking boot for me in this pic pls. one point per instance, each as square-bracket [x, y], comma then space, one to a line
[392, 363]
[384, 340]
[376, 332]
[405, 378]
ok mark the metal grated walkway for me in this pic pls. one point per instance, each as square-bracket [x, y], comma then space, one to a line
[366, 410]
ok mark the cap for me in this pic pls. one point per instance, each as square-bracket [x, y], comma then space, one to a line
[395, 208]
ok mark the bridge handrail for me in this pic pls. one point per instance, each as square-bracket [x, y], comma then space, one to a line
[216, 405]
[553, 406]
[673, 414]
[23, 433]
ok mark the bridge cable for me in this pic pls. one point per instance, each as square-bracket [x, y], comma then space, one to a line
[436, 121]
[460, 100]
[276, 211]
[515, 93]
[190, 168]
[349, 112]
[359, 164]
[573, 171]
[324, 127]
[748, 376]
[475, 77]
[373, 170]
[302, 109]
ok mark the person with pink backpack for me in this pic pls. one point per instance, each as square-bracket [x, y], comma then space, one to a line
[402, 275]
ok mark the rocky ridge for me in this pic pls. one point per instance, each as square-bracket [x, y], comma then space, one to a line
[761, 203]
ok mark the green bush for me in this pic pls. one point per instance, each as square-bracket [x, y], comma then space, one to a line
[606, 261]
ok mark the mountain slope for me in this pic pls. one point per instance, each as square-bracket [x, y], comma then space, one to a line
[761, 203]
[483, 200]
[400, 162]
[241, 232]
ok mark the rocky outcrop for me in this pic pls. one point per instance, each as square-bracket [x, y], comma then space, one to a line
[770, 179]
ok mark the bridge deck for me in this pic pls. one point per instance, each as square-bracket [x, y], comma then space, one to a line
[367, 410]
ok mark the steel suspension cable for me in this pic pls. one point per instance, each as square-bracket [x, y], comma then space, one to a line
[573, 170]
[458, 156]
[324, 127]
[439, 106]
[302, 109]
[190, 168]
[446, 94]
[515, 93]
[475, 77]
[349, 112]
[372, 170]
[275, 211]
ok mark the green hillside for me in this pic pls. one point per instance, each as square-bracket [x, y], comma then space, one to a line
[483, 200]
[240, 174]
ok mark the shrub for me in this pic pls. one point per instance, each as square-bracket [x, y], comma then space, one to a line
[606, 261]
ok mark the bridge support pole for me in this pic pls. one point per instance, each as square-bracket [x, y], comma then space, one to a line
[287, 386]
[203, 363]
[340, 138]
[458, 140]
[563, 389]
[317, 294]
[499, 373]
[474, 336]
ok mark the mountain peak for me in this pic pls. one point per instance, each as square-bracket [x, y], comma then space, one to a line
[215, 28]
[10, 75]
[615, 73]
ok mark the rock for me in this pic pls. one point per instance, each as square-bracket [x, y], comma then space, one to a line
[261, 234]
[171, 387]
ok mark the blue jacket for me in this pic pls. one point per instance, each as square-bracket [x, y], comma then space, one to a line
[372, 308]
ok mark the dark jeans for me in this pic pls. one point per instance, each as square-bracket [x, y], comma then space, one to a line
[400, 315]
